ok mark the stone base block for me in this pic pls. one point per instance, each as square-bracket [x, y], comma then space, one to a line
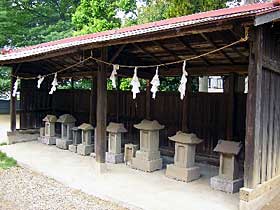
[47, 140]
[84, 149]
[72, 148]
[23, 136]
[147, 166]
[182, 174]
[114, 158]
[93, 155]
[63, 144]
[147, 155]
[226, 185]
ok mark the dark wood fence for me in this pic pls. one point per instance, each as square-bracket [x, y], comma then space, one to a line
[207, 113]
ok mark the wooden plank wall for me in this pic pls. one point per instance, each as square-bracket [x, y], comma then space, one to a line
[207, 113]
[262, 158]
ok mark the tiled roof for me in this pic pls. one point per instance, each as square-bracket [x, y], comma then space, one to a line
[190, 20]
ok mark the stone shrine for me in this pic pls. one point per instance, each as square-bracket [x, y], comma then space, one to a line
[184, 168]
[114, 154]
[228, 179]
[47, 134]
[77, 139]
[67, 123]
[148, 157]
[86, 147]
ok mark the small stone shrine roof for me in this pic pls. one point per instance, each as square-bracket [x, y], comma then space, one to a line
[185, 138]
[149, 125]
[228, 147]
[116, 128]
[66, 118]
[75, 128]
[50, 118]
[86, 127]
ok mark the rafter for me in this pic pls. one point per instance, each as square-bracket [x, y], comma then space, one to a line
[190, 48]
[158, 61]
[222, 52]
[117, 53]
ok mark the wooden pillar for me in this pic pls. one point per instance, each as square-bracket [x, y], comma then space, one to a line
[253, 113]
[185, 107]
[73, 97]
[101, 112]
[230, 90]
[118, 101]
[13, 115]
[93, 99]
[148, 100]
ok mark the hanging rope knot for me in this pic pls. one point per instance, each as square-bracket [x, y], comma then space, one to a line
[54, 84]
[135, 84]
[183, 82]
[15, 88]
[156, 83]
[246, 37]
[114, 73]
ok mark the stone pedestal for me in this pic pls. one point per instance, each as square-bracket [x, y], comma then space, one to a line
[228, 179]
[77, 139]
[86, 147]
[48, 135]
[184, 168]
[67, 123]
[129, 153]
[114, 154]
[148, 157]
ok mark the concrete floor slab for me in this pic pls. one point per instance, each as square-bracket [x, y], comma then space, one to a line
[149, 191]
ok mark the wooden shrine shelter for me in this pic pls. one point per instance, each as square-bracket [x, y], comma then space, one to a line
[252, 118]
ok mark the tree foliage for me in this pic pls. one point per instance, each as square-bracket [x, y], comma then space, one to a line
[100, 15]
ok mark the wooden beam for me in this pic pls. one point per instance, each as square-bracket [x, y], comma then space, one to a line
[222, 52]
[267, 18]
[271, 64]
[190, 48]
[13, 122]
[117, 53]
[101, 111]
[252, 162]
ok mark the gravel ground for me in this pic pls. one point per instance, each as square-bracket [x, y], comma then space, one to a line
[22, 189]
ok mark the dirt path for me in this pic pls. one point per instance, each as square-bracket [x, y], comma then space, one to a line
[22, 189]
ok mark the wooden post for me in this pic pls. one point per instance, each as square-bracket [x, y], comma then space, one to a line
[148, 100]
[118, 100]
[73, 97]
[13, 114]
[230, 90]
[253, 113]
[93, 97]
[185, 107]
[101, 112]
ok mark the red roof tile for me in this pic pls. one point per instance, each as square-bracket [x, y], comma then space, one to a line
[236, 12]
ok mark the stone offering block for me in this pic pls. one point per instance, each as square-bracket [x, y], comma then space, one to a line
[147, 166]
[73, 148]
[183, 174]
[129, 152]
[114, 158]
[47, 140]
[226, 185]
[85, 150]
[63, 143]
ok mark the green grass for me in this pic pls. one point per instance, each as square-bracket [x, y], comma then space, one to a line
[3, 144]
[6, 162]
